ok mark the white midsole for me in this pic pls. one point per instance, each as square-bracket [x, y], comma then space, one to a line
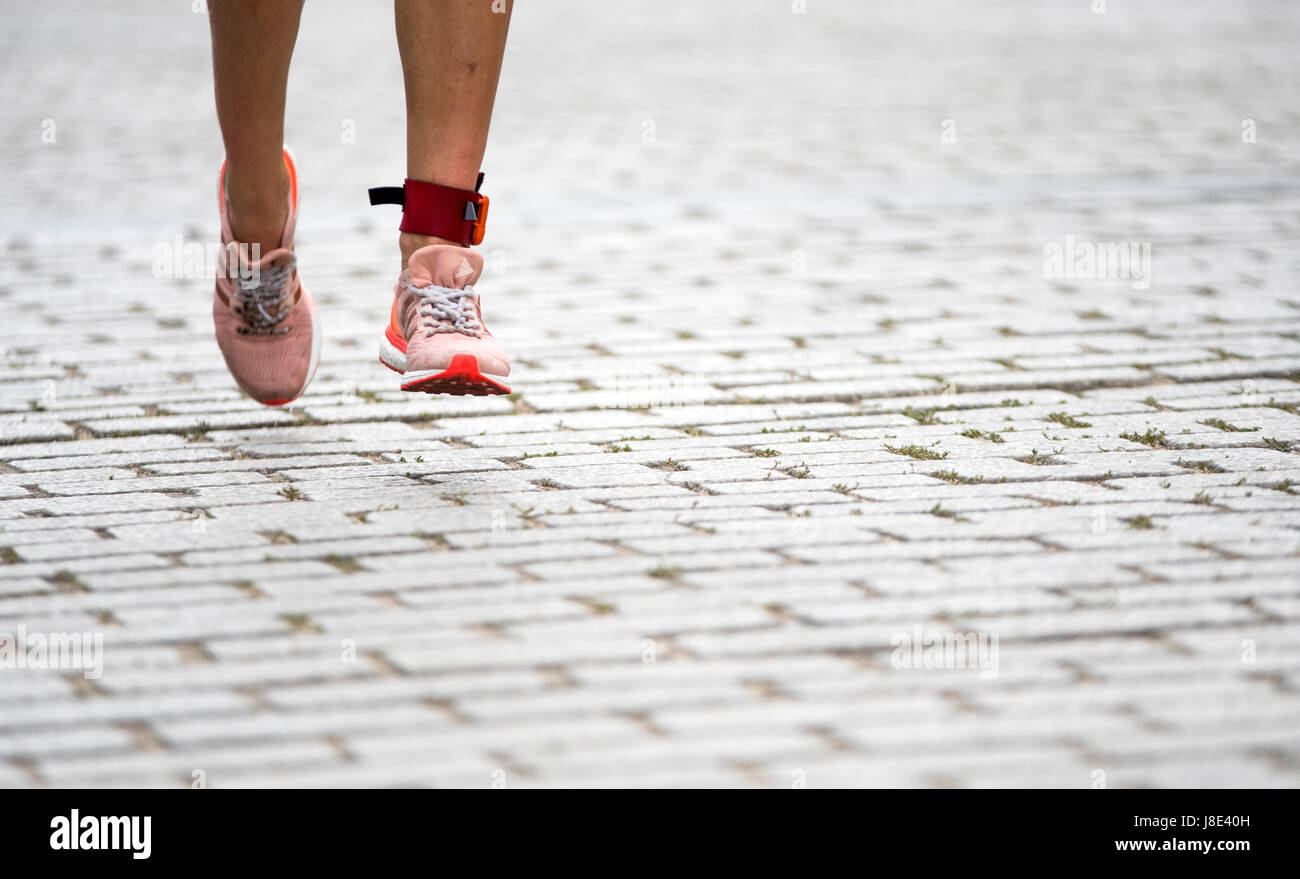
[315, 344]
[423, 374]
[391, 355]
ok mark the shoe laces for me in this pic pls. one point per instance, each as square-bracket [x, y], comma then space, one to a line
[261, 302]
[448, 310]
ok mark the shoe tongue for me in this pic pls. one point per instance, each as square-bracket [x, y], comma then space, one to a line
[266, 259]
[281, 256]
[244, 272]
[446, 266]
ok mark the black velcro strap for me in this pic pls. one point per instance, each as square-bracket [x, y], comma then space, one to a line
[388, 195]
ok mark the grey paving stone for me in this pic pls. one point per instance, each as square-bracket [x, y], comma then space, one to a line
[758, 433]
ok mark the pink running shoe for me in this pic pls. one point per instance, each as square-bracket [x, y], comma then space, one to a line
[436, 336]
[266, 321]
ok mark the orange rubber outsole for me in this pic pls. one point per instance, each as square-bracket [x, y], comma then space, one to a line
[461, 378]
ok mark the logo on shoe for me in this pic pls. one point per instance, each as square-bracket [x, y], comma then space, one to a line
[464, 270]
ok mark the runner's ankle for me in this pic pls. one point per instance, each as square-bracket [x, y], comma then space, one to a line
[410, 243]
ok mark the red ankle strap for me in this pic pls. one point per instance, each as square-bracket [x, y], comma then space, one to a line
[433, 209]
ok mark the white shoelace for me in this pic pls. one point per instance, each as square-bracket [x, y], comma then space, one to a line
[261, 303]
[448, 310]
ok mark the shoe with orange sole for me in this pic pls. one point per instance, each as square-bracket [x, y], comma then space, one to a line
[266, 321]
[436, 336]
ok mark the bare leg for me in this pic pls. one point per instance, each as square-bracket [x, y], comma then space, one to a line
[451, 60]
[251, 47]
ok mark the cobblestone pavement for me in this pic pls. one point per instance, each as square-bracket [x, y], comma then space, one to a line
[797, 377]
